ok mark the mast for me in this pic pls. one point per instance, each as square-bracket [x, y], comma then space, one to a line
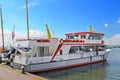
[27, 19]
[2, 27]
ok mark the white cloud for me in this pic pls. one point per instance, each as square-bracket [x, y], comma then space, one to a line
[7, 37]
[30, 5]
[106, 25]
[114, 40]
[37, 34]
[33, 34]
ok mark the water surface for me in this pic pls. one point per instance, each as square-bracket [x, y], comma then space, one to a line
[100, 71]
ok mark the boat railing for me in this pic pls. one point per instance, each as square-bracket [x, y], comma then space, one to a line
[67, 56]
[38, 59]
[80, 55]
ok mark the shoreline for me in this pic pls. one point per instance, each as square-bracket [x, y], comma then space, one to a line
[7, 72]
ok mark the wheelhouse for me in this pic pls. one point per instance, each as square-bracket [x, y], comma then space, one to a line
[85, 35]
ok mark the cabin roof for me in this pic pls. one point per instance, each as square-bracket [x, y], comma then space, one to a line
[80, 33]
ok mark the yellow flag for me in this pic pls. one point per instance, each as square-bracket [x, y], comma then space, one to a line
[48, 32]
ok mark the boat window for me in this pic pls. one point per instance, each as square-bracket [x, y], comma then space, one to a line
[76, 37]
[25, 49]
[30, 53]
[60, 52]
[72, 50]
[88, 48]
[83, 36]
[75, 49]
[101, 48]
[93, 48]
[80, 48]
[94, 37]
[71, 37]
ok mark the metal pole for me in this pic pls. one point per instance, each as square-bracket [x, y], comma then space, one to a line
[2, 27]
[27, 19]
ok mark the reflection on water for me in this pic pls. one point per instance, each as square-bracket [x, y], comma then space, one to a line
[100, 71]
[89, 72]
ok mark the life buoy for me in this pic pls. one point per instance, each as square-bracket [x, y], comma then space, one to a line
[61, 40]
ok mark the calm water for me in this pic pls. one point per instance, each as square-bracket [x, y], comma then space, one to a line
[101, 71]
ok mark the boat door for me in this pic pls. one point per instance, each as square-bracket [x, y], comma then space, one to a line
[42, 51]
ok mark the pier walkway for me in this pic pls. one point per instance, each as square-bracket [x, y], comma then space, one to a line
[7, 73]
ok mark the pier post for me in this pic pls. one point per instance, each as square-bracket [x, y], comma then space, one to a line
[22, 69]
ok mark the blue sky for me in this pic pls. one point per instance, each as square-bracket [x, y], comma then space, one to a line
[63, 16]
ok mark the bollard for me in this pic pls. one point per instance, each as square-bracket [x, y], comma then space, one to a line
[11, 65]
[22, 69]
[11, 60]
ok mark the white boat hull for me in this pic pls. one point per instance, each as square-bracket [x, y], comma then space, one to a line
[48, 66]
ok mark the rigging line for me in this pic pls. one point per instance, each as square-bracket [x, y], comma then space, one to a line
[16, 20]
[14, 25]
[13, 31]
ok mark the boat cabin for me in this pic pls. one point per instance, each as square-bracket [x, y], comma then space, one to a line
[84, 35]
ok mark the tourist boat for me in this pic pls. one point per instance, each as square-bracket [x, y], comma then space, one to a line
[77, 49]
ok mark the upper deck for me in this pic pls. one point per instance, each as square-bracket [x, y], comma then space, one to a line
[85, 35]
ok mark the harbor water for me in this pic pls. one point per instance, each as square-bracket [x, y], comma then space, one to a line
[109, 70]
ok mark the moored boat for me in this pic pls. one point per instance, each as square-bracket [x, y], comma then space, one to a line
[79, 48]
